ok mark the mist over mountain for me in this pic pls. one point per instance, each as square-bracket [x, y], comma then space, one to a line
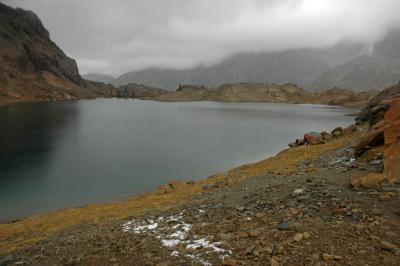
[300, 66]
[99, 77]
[348, 65]
[375, 70]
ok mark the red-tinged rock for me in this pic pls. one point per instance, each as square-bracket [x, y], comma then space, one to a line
[313, 138]
[392, 141]
[370, 180]
[374, 137]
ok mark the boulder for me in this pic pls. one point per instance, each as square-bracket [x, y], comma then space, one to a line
[326, 136]
[392, 141]
[378, 112]
[313, 138]
[350, 129]
[375, 101]
[370, 180]
[337, 132]
[374, 137]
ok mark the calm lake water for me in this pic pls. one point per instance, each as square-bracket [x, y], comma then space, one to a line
[59, 155]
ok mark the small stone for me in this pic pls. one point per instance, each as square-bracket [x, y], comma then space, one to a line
[298, 237]
[224, 236]
[6, 260]
[268, 250]
[250, 249]
[390, 247]
[302, 197]
[240, 209]
[298, 191]
[328, 257]
[259, 215]
[315, 256]
[113, 260]
[274, 261]
[375, 162]
[254, 233]
[376, 212]
[306, 235]
[229, 262]
[283, 225]
[256, 253]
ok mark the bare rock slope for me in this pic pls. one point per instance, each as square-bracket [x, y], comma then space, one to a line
[32, 67]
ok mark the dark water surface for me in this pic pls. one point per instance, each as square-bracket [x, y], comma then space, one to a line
[59, 155]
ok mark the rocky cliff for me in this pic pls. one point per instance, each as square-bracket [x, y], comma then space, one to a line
[381, 144]
[32, 67]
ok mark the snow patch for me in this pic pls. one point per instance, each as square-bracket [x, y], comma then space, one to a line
[173, 231]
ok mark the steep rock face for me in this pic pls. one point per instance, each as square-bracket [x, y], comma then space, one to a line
[32, 67]
[389, 47]
[392, 140]
[376, 70]
[375, 108]
[383, 116]
[362, 73]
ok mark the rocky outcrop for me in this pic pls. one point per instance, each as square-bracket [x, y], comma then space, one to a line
[392, 140]
[374, 137]
[383, 116]
[376, 106]
[32, 67]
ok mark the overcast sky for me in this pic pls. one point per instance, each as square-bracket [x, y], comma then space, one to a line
[117, 36]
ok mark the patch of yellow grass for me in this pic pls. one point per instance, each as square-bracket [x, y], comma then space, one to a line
[27, 232]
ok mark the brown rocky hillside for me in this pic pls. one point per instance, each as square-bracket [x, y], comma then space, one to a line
[34, 68]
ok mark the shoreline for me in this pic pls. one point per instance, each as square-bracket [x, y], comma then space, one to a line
[31, 229]
[249, 159]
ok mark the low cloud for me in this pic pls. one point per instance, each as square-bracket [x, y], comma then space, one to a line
[113, 37]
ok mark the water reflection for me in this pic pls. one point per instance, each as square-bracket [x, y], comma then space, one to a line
[29, 131]
[59, 155]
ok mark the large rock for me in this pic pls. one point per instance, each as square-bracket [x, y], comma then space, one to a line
[370, 180]
[365, 114]
[313, 138]
[374, 137]
[392, 141]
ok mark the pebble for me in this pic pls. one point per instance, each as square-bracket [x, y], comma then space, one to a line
[254, 233]
[375, 162]
[283, 225]
[298, 191]
[224, 236]
[306, 235]
[331, 257]
[390, 247]
[229, 262]
[274, 261]
[298, 237]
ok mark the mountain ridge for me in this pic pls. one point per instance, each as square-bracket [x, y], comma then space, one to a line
[349, 65]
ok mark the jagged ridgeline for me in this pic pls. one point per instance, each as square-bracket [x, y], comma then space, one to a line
[350, 65]
[33, 67]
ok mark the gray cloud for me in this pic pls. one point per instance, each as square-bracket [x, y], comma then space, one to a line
[113, 37]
